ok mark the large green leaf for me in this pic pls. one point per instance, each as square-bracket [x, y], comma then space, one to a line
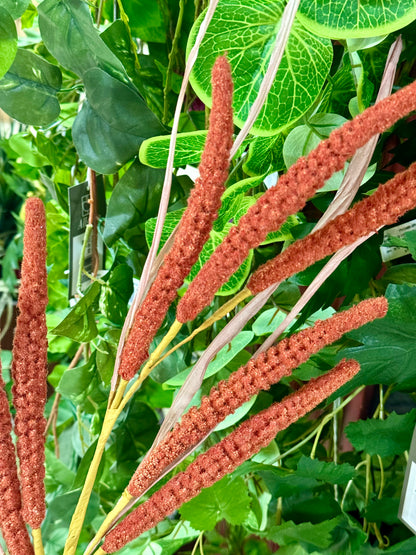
[28, 90]
[338, 19]
[101, 147]
[188, 150]
[8, 41]
[246, 30]
[146, 19]
[15, 7]
[69, 34]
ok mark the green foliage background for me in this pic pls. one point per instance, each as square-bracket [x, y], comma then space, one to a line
[103, 96]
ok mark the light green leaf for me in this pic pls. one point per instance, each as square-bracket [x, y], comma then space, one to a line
[227, 499]
[171, 221]
[8, 41]
[236, 415]
[356, 18]
[16, 8]
[223, 357]
[28, 90]
[189, 146]
[247, 30]
[23, 145]
[328, 472]
[386, 437]
[79, 324]
[265, 155]
[268, 321]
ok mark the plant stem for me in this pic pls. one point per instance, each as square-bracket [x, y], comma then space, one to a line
[37, 541]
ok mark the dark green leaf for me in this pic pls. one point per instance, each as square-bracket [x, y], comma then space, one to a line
[79, 324]
[79, 479]
[28, 90]
[328, 472]
[147, 20]
[284, 484]
[383, 510]
[386, 437]
[8, 41]
[69, 34]
[307, 534]
[116, 294]
[227, 499]
[16, 8]
[75, 381]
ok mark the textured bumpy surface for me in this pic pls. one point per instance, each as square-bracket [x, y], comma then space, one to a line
[195, 226]
[12, 525]
[290, 195]
[228, 454]
[268, 368]
[384, 207]
[29, 367]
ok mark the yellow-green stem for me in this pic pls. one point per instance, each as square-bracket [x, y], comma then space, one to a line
[37, 541]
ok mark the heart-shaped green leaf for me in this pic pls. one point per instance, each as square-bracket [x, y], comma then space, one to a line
[16, 8]
[247, 31]
[8, 41]
[356, 18]
[28, 90]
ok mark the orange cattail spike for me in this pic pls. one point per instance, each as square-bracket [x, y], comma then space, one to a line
[228, 454]
[195, 226]
[29, 367]
[259, 374]
[289, 195]
[11, 522]
[384, 207]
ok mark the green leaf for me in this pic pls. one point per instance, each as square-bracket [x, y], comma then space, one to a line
[23, 145]
[171, 221]
[115, 294]
[388, 347]
[57, 473]
[237, 415]
[284, 484]
[222, 358]
[227, 499]
[8, 41]
[106, 354]
[79, 324]
[265, 155]
[328, 472]
[304, 138]
[357, 18]
[75, 381]
[69, 34]
[146, 19]
[99, 146]
[130, 204]
[268, 321]
[307, 534]
[28, 90]
[386, 437]
[247, 30]
[383, 510]
[189, 146]
[16, 8]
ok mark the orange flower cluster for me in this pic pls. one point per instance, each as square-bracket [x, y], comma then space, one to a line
[195, 226]
[259, 374]
[384, 207]
[289, 195]
[29, 367]
[11, 522]
[228, 454]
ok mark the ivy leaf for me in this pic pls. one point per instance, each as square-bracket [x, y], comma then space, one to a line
[328, 472]
[16, 8]
[249, 41]
[28, 90]
[189, 146]
[307, 534]
[356, 18]
[8, 41]
[79, 324]
[227, 499]
[388, 348]
[386, 437]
